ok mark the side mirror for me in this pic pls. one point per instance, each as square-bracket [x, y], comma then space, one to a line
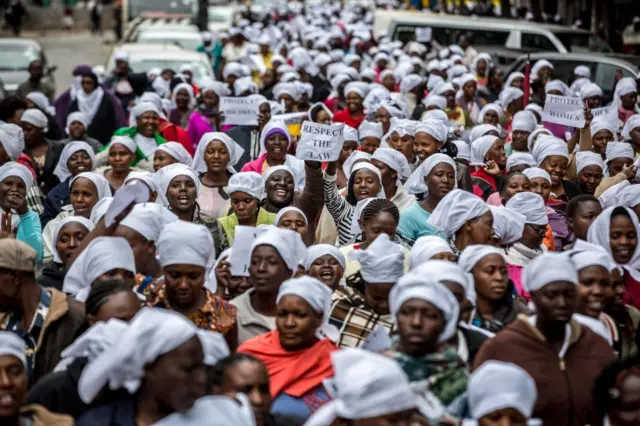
[52, 69]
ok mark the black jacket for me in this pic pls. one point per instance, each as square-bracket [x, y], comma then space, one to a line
[242, 136]
[57, 198]
[58, 392]
[105, 123]
[46, 179]
[474, 339]
[52, 276]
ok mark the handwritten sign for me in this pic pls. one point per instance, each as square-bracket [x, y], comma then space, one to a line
[240, 111]
[564, 110]
[241, 253]
[320, 142]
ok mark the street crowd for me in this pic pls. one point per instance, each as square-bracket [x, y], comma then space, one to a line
[464, 261]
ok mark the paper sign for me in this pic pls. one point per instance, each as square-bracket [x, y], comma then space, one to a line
[320, 142]
[240, 111]
[423, 34]
[564, 110]
[610, 111]
[241, 253]
[137, 192]
[377, 341]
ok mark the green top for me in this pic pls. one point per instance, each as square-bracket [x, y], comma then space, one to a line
[131, 132]
[230, 222]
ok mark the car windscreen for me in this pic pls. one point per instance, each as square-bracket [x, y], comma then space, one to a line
[582, 42]
[184, 7]
[446, 36]
[14, 58]
[200, 69]
[185, 43]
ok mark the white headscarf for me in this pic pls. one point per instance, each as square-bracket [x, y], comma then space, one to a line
[464, 150]
[189, 89]
[318, 250]
[89, 103]
[508, 225]
[602, 122]
[42, 102]
[272, 127]
[177, 151]
[35, 117]
[416, 286]
[100, 209]
[80, 118]
[375, 170]
[546, 147]
[435, 100]
[103, 188]
[102, 255]
[537, 172]
[235, 151]
[416, 184]
[370, 129]
[12, 344]
[524, 121]
[531, 205]
[633, 122]
[288, 209]
[557, 85]
[433, 127]
[350, 134]
[609, 198]
[185, 243]
[165, 175]
[479, 149]
[454, 210]
[62, 169]
[511, 387]
[481, 130]
[442, 271]
[18, 170]
[359, 88]
[589, 90]
[394, 160]
[519, 158]
[148, 219]
[512, 77]
[473, 254]
[352, 158]
[146, 177]
[490, 107]
[618, 150]
[588, 158]
[287, 243]
[248, 182]
[548, 268]
[69, 219]
[629, 196]
[152, 332]
[217, 87]
[541, 63]
[508, 95]
[534, 136]
[381, 262]
[125, 141]
[12, 140]
[425, 248]
[365, 385]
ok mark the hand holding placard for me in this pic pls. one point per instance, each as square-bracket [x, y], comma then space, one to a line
[320, 142]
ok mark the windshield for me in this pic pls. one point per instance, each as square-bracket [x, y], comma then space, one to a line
[17, 59]
[218, 17]
[182, 7]
[188, 44]
[200, 69]
[583, 42]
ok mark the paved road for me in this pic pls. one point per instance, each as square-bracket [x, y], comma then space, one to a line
[67, 51]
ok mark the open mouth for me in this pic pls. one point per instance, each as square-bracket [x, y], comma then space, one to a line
[7, 400]
[280, 192]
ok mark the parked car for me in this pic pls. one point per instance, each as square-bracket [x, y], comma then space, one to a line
[603, 68]
[17, 54]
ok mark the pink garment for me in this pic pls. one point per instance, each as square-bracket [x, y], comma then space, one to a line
[255, 165]
[515, 273]
[494, 200]
[624, 114]
[558, 130]
[198, 126]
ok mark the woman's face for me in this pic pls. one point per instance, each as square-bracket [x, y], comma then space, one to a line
[251, 379]
[76, 130]
[382, 223]
[123, 306]
[533, 235]
[595, 290]
[389, 176]
[425, 145]
[516, 184]
[624, 411]
[32, 134]
[216, 157]
[84, 195]
[120, 158]
[389, 82]
[369, 144]
[519, 139]
[12, 187]
[556, 302]
[441, 180]
[148, 123]
[618, 164]
[323, 116]
[589, 178]
[594, 102]
[68, 241]
[280, 188]
[450, 96]
[600, 141]
[497, 79]
[623, 239]
[184, 284]
[481, 67]
[328, 270]
[88, 85]
[503, 417]
[210, 99]
[584, 215]
[420, 324]
[79, 162]
[482, 229]
[244, 206]
[267, 270]
[517, 82]
[182, 193]
[162, 159]
[296, 322]
[276, 145]
[628, 101]
[182, 99]
[347, 149]
[491, 117]
[383, 117]
[469, 89]
[491, 277]
[403, 144]
[354, 103]
[377, 297]
[556, 166]
[496, 154]
[542, 187]
[365, 184]
[294, 221]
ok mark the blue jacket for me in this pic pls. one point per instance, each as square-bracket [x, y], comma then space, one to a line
[119, 413]
[30, 232]
[58, 197]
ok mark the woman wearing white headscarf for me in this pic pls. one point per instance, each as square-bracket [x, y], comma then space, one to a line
[214, 161]
[119, 156]
[555, 350]
[170, 153]
[77, 124]
[619, 161]
[39, 101]
[325, 263]
[353, 115]
[159, 354]
[552, 155]
[184, 100]
[626, 93]
[428, 248]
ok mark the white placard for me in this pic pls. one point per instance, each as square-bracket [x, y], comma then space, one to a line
[241, 252]
[423, 34]
[377, 341]
[610, 111]
[564, 110]
[320, 142]
[137, 192]
[240, 111]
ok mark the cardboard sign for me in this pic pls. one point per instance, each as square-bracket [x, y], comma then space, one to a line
[241, 253]
[564, 110]
[320, 142]
[240, 111]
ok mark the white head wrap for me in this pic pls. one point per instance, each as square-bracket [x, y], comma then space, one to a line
[217, 87]
[318, 250]
[165, 175]
[433, 127]
[394, 160]
[102, 255]
[42, 102]
[189, 89]
[524, 121]
[352, 158]
[539, 132]
[36, 117]
[359, 88]
[490, 107]
[288, 209]
[18, 170]
[62, 169]
[146, 177]
[374, 169]
[272, 127]
[416, 184]
[546, 147]
[464, 150]
[287, 243]
[244, 84]
[589, 90]
[370, 129]
[588, 158]
[235, 151]
[435, 100]
[185, 243]
[69, 219]
[232, 68]
[454, 210]
[177, 151]
[479, 149]
[12, 344]
[149, 219]
[80, 118]
[381, 262]
[609, 198]
[481, 130]
[624, 87]
[629, 196]
[548, 268]
[512, 387]
[601, 122]
[100, 209]
[103, 188]
[632, 123]
[248, 182]
[519, 158]
[541, 63]
[97, 339]
[152, 332]
[146, 106]
[410, 82]
[441, 271]
[512, 77]
[618, 150]
[536, 172]
[531, 205]
[12, 140]
[557, 85]
[508, 95]
[125, 141]
[416, 286]
[294, 172]
[425, 248]
[349, 133]
[214, 346]
[508, 225]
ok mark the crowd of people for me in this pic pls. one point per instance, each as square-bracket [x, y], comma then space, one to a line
[462, 262]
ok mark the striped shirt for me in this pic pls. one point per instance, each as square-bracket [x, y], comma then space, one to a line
[340, 209]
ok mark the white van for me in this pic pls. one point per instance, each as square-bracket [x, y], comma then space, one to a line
[505, 33]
